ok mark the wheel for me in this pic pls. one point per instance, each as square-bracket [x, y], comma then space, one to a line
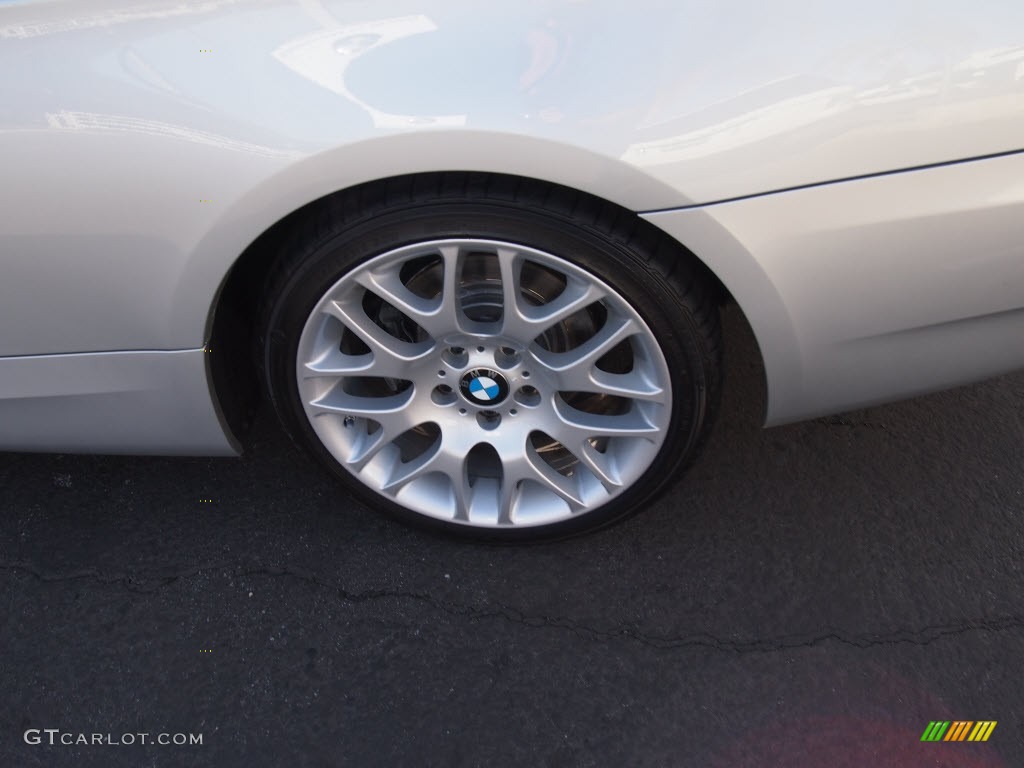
[502, 360]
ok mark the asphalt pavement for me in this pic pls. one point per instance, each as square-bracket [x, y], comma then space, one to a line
[810, 595]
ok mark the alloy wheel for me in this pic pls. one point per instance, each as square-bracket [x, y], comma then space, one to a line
[483, 383]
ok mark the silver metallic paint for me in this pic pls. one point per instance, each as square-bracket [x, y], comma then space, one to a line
[115, 123]
[876, 289]
[114, 402]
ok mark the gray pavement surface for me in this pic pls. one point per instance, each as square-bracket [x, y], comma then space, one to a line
[810, 595]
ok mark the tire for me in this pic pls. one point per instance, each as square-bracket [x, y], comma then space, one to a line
[491, 357]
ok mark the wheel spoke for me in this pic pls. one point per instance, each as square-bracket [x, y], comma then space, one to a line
[376, 408]
[336, 364]
[459, 476]
[392, 425]
[516, 467]
[598, 464]
[633, 385]
[426, 313]
[566, 488]
[511, 265]
[526, 322]
[391, 355]
[451, 260]
[392, 414]
[573, 426]
[442, 458]
[576, 296]
[580, 359]
[404, 473]
[508, 494]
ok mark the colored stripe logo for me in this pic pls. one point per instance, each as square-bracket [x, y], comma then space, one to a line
[958, 730]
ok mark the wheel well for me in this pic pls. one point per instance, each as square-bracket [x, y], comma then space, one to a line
[235, 338]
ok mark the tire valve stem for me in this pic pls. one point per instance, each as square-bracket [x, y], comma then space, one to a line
[349, 421]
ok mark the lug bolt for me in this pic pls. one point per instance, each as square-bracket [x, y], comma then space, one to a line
[528, 396]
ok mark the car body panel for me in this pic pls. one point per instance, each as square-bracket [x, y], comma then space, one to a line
[875, 289]
[144, 146]
[153, 142]
[113, 402]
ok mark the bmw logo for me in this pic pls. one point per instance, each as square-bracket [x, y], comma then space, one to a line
[484, 387]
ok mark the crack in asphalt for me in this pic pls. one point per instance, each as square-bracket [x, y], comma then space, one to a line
[928, 634]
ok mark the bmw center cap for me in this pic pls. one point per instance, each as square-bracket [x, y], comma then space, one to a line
[484, 387]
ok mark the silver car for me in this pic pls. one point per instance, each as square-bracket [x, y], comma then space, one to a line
[474, 254]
